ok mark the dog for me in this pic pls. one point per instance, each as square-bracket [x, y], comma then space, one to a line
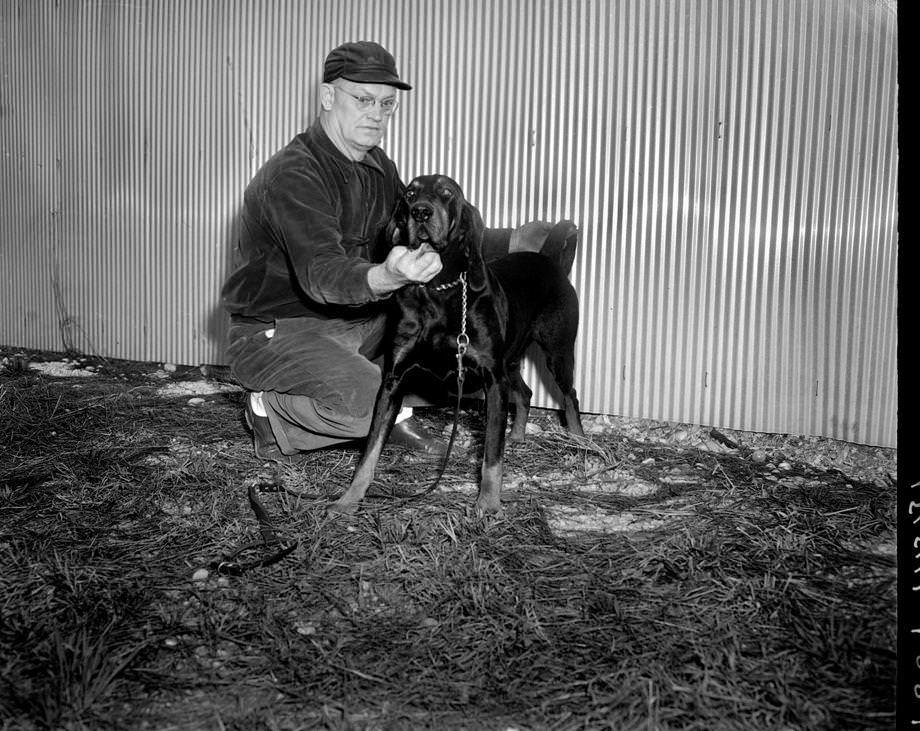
[511, 302]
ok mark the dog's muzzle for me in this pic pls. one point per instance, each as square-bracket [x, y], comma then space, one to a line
[421, 213]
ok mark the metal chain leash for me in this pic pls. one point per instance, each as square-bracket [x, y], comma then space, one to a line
[463, 340]
[463, 343]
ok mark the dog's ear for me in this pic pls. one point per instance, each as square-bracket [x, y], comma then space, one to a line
[470, 229]
[468, 224]
[397, 229]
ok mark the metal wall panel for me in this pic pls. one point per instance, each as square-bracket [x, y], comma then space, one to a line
[732, 165]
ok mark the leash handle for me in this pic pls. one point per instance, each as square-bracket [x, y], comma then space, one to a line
[228, 567]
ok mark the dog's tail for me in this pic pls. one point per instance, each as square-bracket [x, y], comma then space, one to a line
[561, 243]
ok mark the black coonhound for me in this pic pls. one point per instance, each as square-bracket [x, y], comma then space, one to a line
[511, 302]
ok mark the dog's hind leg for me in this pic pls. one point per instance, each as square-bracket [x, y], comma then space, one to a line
[520, 395]
[572, 413]
[562, 367]
[490, 486]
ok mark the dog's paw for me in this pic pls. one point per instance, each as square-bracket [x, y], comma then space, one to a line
[341, 508]
[486, 507]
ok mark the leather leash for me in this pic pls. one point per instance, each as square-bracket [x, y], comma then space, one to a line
[227, 566]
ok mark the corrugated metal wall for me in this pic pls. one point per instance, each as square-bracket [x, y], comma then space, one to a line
[732, 165]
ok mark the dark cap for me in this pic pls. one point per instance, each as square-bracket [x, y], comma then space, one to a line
[362, 61]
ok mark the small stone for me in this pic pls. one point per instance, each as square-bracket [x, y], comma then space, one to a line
[592, 427]
[758, 456]
[196, 401]
[648, 460]
[171, 642]
[784, 466]
[169, 367]
[532, 428]
[201, 575]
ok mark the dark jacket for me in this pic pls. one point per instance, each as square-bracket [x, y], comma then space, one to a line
[312, 224]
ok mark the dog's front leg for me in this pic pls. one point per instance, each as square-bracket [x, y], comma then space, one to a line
[389, 399]
[490, 486]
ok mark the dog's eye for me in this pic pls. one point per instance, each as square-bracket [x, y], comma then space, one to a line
[446, 193]
[410, 195]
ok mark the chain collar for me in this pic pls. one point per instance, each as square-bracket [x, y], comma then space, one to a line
[448, 285]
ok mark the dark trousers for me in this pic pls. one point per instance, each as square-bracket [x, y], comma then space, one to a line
[319, 378]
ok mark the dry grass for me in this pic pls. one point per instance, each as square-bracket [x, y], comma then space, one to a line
[730, 599]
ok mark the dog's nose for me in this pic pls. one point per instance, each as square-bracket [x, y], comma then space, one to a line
[421, 213]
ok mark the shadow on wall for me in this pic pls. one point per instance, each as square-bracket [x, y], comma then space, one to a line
[217, 320]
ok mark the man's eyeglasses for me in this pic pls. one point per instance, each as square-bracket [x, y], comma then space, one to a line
[365, 102]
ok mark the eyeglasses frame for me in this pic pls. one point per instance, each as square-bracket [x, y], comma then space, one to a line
[366, 102]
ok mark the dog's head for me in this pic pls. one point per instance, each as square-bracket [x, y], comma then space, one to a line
[434, 211]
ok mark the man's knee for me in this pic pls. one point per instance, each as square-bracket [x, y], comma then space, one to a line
[300, 418]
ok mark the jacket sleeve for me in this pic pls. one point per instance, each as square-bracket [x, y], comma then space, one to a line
[304, 214]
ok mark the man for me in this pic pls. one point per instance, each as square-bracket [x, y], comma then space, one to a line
[306, 300]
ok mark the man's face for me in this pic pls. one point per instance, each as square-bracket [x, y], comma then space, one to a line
[358, 114]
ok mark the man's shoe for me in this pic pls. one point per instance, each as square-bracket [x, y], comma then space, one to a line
[263, 440]
[411, 435]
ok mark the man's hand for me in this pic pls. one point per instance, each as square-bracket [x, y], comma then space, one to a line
[403, 266]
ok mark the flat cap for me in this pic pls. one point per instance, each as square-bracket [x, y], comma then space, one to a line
[362, 61]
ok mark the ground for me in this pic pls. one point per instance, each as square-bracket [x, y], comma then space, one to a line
[652, 575]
